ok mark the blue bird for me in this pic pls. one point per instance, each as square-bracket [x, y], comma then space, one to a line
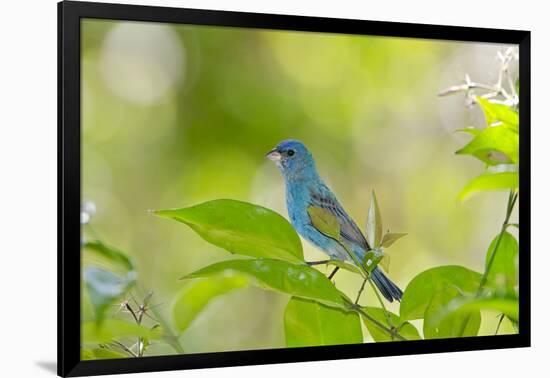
[304, 188]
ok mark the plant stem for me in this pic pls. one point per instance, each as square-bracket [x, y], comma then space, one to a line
[313, 263]
[386, 314]
[512, 197]
[138, 322]
[131, 311]
[361, 290]
[333, 273]
[124, 348]
[501, 318]
[169, 336]
[137, 319]
[392, 333]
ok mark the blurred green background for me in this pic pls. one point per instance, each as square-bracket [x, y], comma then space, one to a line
[176, 115]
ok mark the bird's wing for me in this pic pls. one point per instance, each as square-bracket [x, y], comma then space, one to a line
[348, 229]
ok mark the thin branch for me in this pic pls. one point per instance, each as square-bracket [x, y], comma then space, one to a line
[392, 333]
[361, 290]
[124, 347]
[501, 318]
[321, 262]
[512, 198]
[131, 311]
[386, 313]
[333, 273]
[169, 336]
[492, 91]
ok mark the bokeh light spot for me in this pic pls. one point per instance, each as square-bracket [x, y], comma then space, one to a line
[141, 62]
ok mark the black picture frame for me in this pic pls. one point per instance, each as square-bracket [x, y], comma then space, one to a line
[69, 173]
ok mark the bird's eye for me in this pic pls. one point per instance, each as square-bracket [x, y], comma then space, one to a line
[290, 152]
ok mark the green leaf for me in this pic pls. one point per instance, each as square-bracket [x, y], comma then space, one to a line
[508, 305]
[498, 113]
[372, 258]
[390, 238]
[420, 290]
[196, 295]
[111, 329]
[469, 130]
[168, 336]
[104, 288]
[100, 354]
[111, 254]
[106, 283]
[242, 228]
[344, 265]
[374, 223]
[490, 181]
[494, 145]
[449, 319]
[297, 280]
[309, 323]
[324, 222]
[464, 322]
[405, 329]
[504, 269]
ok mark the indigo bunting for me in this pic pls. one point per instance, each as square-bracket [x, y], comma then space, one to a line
[304, 189]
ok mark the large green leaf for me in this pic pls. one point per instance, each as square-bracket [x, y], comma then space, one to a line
[498, 113]
[494, 145]
[374, 223]
[508, 305]
[196, 295]
[460, 323]
[242, 228]
[420, 290]
[503, 275]
[432, 290]
[104, 288]
[490, 181]
[297, 280]
[405, 329]
[111, 329]
[309, 323]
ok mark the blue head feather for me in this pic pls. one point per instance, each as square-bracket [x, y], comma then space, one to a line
[294, 160]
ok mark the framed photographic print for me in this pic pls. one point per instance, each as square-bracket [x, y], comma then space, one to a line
[239, 188]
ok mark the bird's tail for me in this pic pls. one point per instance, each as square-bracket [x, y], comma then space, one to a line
[389, 290]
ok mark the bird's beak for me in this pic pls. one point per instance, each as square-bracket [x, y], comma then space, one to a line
[273, 155]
